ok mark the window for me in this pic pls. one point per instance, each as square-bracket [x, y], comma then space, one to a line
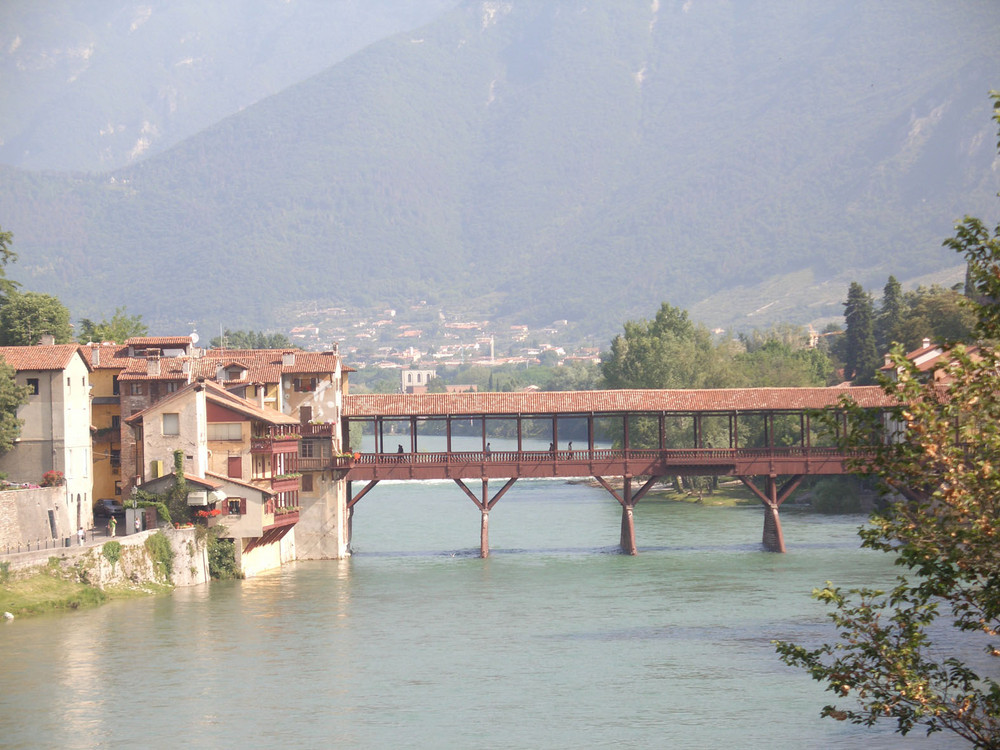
[115, 386]
[307, 449]
[225, 431]
[118, 487]
[116, 422]
[137, 389]
[33, 386]
[171, 424]
[307, 482]
[116, 460]
[69, 381]
[236, 506]
[170, 386]
[303, 385]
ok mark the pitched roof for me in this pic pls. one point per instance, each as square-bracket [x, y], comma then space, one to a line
[106, 356]
[241, 483]
[218, 395]
[42, 356]
[609, 402]
[302, 361]
[142, 342]
[170, 368]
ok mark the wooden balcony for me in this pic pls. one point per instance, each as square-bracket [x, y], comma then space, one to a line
[277, 520]
[270, 446]
[286, 484]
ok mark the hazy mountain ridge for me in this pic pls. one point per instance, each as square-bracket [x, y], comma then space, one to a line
[97, 85]
[547, 160]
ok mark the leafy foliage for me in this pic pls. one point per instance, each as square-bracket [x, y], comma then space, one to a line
[221, 555]
[112, 551]
[161, 553]
[119, 329]
[12, 397]
[27, 316]
[252, 340]
[942, 530]
[860, 356]
[6, 256]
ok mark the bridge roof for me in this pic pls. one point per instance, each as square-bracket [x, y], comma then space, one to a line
[608, 402]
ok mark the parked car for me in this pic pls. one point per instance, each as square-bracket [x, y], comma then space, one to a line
[107, 507]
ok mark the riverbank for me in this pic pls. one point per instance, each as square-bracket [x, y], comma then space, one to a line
[828, 495]
[143, 564]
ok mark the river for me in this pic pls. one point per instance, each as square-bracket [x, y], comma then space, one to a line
[555, 641]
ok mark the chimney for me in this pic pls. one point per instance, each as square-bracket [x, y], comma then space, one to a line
[96, 358]
[153, 365]
[47, 340]
[927, 342]
[287, 359]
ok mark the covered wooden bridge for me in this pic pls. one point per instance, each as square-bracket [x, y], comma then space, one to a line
[770, 438]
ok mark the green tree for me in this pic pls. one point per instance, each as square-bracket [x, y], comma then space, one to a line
[779, 360]
[26, 317]
[890, 314]
[119, 329]
[888, 661]
[861, 360]
[939, 314]
[6, 256]
[12, 397]
[251, 340]
[669, 351]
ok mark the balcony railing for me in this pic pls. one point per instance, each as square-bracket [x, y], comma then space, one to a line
[275, 444]
[286, 484]
[276, 517]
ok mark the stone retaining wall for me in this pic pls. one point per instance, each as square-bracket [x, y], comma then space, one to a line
[133, 567]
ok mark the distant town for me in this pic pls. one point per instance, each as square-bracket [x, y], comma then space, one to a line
[427, 336]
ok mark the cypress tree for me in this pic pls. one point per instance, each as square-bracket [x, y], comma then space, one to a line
[860, 354]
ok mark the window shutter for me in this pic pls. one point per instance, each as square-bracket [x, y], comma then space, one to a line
[224, 507]
[235, 467]
[243, 506]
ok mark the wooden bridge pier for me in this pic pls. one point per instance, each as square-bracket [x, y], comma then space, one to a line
[772, 498]
[485, 505]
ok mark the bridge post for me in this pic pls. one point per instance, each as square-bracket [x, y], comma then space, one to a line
[484, 535]
[627, 541]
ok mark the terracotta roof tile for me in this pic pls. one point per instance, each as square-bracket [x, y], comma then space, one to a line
[106, 356]
[240, 483]
[42, 357]
[159, 341]
[218, 395]
[609, 402]
[171, 368]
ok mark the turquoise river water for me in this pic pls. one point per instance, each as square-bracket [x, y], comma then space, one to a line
[555, 641]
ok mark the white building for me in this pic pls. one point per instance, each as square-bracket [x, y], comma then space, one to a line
[56, 431]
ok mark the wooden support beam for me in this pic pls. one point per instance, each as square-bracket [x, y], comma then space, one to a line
[352, 501]
[485, 505]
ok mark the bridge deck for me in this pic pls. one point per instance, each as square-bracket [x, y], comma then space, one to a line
[597, 462]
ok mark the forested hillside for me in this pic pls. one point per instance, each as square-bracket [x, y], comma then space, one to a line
[550, 159]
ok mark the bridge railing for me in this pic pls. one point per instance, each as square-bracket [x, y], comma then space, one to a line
[669, 455]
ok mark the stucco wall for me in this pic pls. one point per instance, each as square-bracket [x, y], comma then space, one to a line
[24, 516]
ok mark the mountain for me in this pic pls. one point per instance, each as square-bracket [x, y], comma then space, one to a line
[535, 160]
[97, 85]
